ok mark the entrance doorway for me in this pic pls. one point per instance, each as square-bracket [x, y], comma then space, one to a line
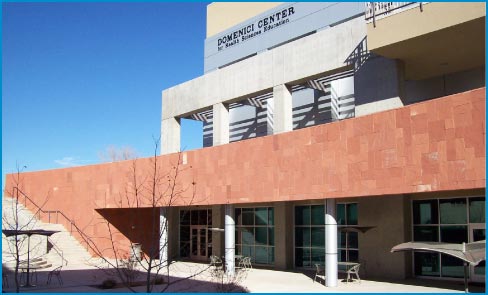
[195, 238]
[199, 242]
[477, 232]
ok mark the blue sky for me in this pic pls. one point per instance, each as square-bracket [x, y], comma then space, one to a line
[79, 77]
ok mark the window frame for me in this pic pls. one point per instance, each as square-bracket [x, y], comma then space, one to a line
[439, 225]
[310, 226]
[268, 227]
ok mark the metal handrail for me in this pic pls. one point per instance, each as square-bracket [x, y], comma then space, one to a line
[58, 251]
[49, 212]
[375, 10]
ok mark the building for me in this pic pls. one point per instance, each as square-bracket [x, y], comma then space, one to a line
[315, 117]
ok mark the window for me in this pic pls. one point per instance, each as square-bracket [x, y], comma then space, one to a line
[255, 233]
[444, 220]
[310, 234]
[347, 243]
[477, 210]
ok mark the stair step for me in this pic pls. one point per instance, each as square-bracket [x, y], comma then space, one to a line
[72, 250]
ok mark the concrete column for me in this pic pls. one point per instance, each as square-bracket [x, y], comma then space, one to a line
[163, 235]
[342, 98]
[170, 136]
[282, 108]
[330, 243]
[220, 124]
[400, 68]
[173, 217]
[230, 245]
[283, 235]
[269, 116]
[217, 237]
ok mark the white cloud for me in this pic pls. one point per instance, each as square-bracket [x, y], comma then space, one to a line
[68, 162]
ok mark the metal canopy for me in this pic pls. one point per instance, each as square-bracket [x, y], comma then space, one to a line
[28, 233]
[469, 253]
[354, 228]
[472, 253]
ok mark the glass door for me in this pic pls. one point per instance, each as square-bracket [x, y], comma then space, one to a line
[198, 246]
[477, 232]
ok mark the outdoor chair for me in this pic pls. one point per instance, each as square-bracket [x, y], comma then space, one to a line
[353, 271]
[245, 263]
[216, 262]
[319, 271]
[57, 273]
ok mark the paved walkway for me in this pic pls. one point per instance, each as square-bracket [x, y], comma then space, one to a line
[82, 278]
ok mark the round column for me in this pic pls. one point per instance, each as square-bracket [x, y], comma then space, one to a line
[230, 246]
[330, 243]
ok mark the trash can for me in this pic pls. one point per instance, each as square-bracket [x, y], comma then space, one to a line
[135, 252]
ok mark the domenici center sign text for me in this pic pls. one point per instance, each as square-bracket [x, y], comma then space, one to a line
[256, 28]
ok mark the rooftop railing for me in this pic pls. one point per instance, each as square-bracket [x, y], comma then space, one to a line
[379, 10]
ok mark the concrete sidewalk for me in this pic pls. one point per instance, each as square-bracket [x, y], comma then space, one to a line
[83, 279]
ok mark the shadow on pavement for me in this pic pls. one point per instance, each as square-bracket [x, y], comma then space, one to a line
[90, 281]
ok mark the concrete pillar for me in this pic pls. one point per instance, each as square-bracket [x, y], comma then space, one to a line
[170, 136]
[393, 226]
[400, 68]
[330, 243]
[163, 235]
[281, 106]
[283, 235]
[342, 98]
[230, 245]
[217, 237]
[220, 124]
[269, 116]
[173, 217]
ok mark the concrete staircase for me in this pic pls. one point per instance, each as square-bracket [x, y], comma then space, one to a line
[71, 250]
[59, 249]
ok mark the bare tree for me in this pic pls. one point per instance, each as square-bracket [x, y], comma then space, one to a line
[13, 219]
[114, 154]
[228, 282]
[155, 189]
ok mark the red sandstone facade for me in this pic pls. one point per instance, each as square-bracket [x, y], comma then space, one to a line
[432, 146]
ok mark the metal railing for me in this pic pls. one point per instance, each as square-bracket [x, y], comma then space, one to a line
[378, 10]
[56, 213]
[59, 252]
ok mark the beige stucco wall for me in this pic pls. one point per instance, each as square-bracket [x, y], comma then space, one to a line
[224, 15]
[218, 238]
[390, 215]
[444, 38]
[413, 23]
[283, 235]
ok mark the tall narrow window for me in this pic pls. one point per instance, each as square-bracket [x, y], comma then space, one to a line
[347, 242]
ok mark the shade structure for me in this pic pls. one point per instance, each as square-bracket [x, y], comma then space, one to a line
[29, 232]
[469, 253]
[472, 253]
[354, 228]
